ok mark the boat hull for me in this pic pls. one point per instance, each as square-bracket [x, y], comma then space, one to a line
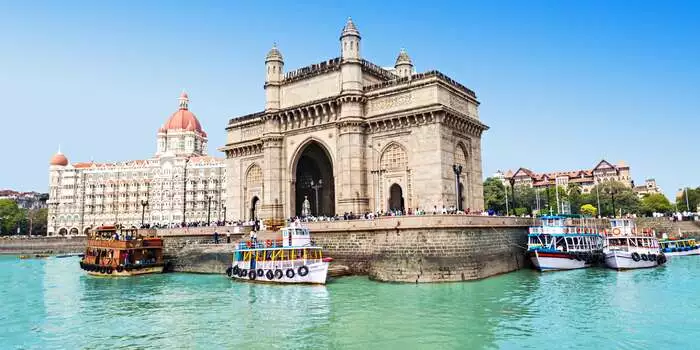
[133, 272]
[621, 260]
[317, 273]
[684, 253]
[557, 261]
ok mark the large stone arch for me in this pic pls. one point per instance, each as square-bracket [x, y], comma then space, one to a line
[253, 190]
[312, 161]
[63, 231]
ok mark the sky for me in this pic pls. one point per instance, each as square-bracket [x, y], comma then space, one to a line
[562, 84]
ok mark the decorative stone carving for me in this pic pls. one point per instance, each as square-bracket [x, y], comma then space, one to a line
[382, 104]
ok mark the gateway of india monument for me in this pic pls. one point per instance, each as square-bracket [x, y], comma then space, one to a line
[346, 135]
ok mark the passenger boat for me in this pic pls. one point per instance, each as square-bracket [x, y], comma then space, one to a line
[293, 259]
[564, 242]
[625, 248]
[679, 247]
[113, 251]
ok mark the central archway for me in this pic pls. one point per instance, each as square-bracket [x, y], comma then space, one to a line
[396, 198]
[314, 181]
[254, 208]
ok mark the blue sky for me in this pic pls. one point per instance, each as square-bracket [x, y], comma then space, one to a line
[562, 83]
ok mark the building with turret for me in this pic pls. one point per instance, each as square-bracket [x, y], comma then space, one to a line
[180, 183]
[352, 137]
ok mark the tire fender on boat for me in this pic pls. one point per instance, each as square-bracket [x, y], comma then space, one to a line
[635, 256]
[229, 270]
[261, 273]
[120, 268]
[242, 273]
[251, 274]
[645, 257]
[279, 274]
[652, 257]
[290, 273]
[269, 274]
[109, 270]
[303, 271]
[235, 270]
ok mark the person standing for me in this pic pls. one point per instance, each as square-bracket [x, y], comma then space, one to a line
[216, 237]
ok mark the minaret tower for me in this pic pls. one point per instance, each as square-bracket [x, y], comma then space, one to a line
[274, 65]
[351, 195]
[403, 66]
[351, 65]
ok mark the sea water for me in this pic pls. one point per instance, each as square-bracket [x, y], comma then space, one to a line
[51, 304]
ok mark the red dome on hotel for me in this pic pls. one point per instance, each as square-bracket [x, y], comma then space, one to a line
[183, 119]
[59, 159]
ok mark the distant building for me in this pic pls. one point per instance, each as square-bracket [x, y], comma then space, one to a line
[26, 200]
[181, 179]
[649, 187]
[587, 178]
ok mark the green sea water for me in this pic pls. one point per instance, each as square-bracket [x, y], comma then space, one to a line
[52, 304]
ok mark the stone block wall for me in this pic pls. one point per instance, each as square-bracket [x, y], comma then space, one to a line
[42, 245]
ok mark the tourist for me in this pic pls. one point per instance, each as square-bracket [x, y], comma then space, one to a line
[228, 236]
[216, 237]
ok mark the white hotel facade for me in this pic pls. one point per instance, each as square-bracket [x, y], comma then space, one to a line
[180, 183]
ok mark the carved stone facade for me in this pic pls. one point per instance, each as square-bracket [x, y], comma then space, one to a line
[353, 137]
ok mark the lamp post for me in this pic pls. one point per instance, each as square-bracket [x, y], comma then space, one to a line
[144, 203]
[209, 211]
[512, 192]
[457, 169]
[317, 187]
[611, 191]
[687, 202]
[184, 193]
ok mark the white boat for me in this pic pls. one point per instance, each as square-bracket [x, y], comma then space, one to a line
[293, 259]
[564, 242]
[680, 247]
[625, 248]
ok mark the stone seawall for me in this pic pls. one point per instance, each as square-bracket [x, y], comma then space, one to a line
[436, 248]
[42, 245]
[426, 248]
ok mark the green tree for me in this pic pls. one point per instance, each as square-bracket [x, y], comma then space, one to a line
[625, 200]
[525, 197]
[10, 216]
[494, 195]
[655, 203]
[37, 221]
[588, 209]
[574, 196]
[693, 199]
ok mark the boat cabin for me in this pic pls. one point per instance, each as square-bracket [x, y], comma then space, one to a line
[631, 243]
[678, 245]
[623, 227]
[560, 224]
[112, 246]
[295, 237]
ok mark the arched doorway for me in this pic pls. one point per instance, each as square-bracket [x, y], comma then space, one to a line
[314, 181]
[74, 231]
[86, 231]
[396, 198]
[254, 208]
[63, 231]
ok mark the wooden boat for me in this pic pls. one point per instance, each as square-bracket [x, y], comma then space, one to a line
[625, 248]
[292, 260]
[564, 242]
[113, 251]
[680, 247]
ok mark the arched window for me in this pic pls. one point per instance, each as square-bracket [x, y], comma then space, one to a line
[461, 155]
[254, 177]
[394, 158]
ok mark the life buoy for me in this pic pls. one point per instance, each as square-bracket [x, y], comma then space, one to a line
[252, 274]
[235, 270]
[120, 268]
[269, 274]
[261, 272]
[290, 273]
[644, 257]
[242, 273]
[279, 274]
[303, 271]
[635, 256]
[616, 231]
[229, 271]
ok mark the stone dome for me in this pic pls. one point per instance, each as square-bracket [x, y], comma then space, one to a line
[274, 54]
[182, 119]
